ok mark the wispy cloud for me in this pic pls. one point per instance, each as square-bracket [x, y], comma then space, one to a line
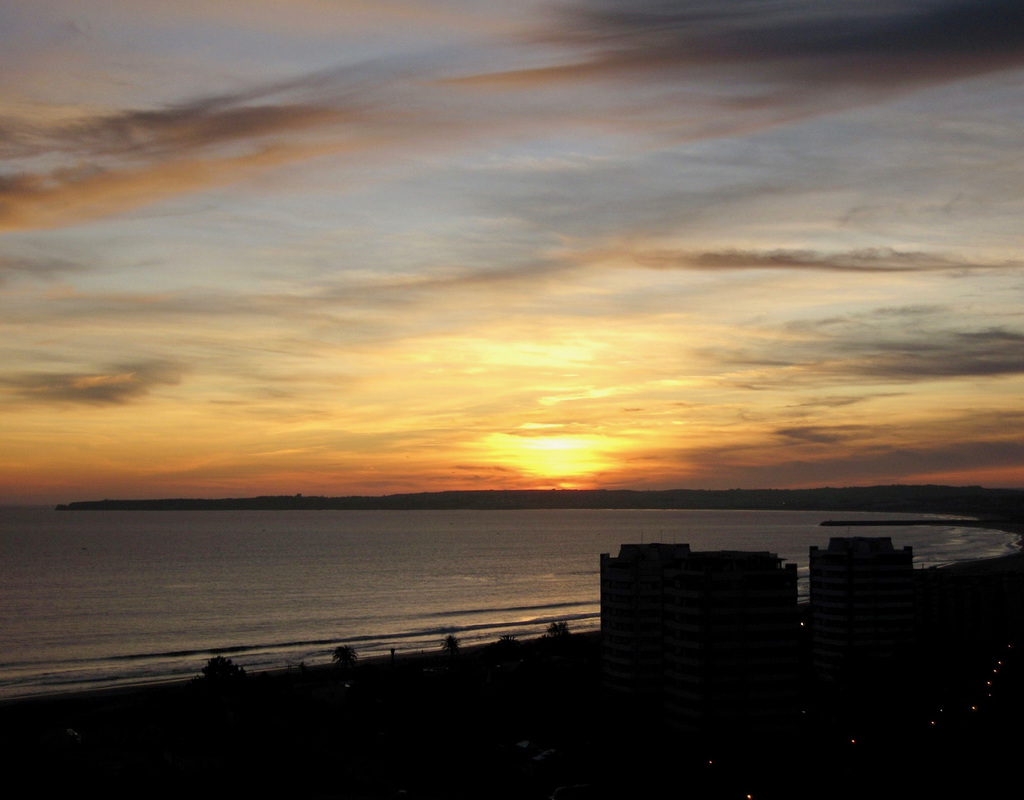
[945, 447]
[837, 401]
[871, 260]
[182, 128]
[40, 268]
[897, 345]
[728, 68]
[812, 42]
[74, 195]
[114, 162]
[776, 59]
[119, 385]
[821, 434]
[944, 354]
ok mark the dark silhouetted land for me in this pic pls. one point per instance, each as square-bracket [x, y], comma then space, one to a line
[500, 725]
[970, 501]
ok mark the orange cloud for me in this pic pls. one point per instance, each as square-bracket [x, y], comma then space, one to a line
[68, 197]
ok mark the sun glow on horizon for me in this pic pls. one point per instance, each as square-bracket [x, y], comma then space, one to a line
[564, 460]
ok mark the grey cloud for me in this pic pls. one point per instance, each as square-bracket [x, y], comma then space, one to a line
[897, 344]
[820, 434]
[963, 443]
[117, 162]
[947, 355]
[15, 185]
[307, 101]
[119, 385]
[871, 328]
[910, 343]
[195, 125]
[36, 268]
[868, 260]
[939, 354]
[839, 401]
[908, 312]
[135, 157]
[70, 196]
[849, 465]
[878, 44]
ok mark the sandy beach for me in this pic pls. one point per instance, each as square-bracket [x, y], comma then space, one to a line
[1011, 563]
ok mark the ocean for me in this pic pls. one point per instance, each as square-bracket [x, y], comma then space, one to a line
[108, 598]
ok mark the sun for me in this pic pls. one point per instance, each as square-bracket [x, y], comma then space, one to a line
[566, 461]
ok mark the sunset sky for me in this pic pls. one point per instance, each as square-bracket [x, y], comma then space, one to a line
[378, 246]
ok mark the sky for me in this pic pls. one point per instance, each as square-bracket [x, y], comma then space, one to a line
[352, 247]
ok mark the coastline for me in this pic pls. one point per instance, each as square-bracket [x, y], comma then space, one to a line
[1005, 564]
[1008, 563]
[1011, 563]
[418, 659]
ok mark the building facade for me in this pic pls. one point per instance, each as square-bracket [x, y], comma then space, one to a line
[862, 605]
[632, 618]
[732, 639]
[708, 638]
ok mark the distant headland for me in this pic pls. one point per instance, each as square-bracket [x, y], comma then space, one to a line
[968, 501]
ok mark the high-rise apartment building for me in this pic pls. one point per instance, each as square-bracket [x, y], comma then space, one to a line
[731, 633]
[710, 638]
[862, 604]
[632, 614]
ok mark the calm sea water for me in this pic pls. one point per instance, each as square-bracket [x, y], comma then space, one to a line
[94, 599]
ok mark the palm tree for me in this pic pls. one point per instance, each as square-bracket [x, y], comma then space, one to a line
[507, 647]
[451, 645]
[345, 656]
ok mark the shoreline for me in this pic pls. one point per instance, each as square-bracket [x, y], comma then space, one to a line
[315, 673]
[1005, 564]
[1010, 563]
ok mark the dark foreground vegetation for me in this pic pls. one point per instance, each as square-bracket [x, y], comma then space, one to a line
[1001, 504]
[514, 720]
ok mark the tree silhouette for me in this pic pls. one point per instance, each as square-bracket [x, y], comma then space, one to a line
[451, 645]
[344, 656]
[506, 648]
[220, 672]
[558, 630]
